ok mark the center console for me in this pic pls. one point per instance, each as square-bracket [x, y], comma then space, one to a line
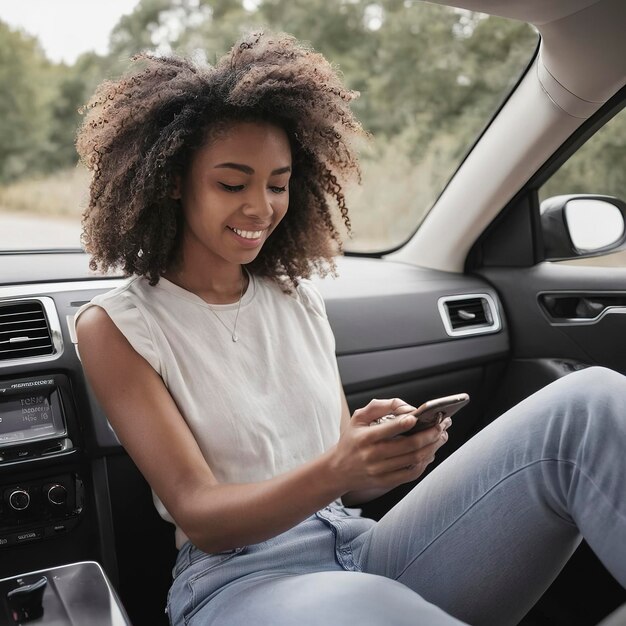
[69, 494]
[77, 594]
[42, 492]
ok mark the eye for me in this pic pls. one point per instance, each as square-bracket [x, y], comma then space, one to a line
[279, 189]
[231, 188]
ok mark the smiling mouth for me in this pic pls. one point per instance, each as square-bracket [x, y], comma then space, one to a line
[247, 234]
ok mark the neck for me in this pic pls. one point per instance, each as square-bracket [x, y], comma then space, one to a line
[213, 289]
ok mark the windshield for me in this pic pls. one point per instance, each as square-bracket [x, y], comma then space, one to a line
[430, 78]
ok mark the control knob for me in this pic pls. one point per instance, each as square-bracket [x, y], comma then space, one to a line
[56, 494]
[19, 499]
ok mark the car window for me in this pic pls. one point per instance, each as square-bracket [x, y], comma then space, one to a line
[430, 78]
[596, 168]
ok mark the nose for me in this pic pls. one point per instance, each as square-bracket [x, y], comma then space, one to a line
[258, 205]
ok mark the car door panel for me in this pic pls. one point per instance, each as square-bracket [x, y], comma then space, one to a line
[535, 333]
[383, 367]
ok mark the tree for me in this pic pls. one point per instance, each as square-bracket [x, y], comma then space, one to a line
[24, 95]
[430, 77]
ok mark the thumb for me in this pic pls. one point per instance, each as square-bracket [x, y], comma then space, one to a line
[377, 409]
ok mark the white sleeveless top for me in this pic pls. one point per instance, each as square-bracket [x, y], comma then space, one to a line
[259, 407]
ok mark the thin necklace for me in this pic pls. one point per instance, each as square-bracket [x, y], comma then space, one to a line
[233, 332]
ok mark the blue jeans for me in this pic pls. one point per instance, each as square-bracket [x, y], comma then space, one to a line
[477, 541]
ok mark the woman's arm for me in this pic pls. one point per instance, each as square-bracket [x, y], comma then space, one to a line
[217, 516]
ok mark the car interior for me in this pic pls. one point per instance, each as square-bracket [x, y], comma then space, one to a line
[497, 293]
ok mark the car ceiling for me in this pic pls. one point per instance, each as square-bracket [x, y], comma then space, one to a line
[581, 64]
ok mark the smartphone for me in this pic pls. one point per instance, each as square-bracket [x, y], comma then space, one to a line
[434, 411]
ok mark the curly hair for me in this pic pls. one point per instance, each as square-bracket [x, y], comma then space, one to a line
[141, 132]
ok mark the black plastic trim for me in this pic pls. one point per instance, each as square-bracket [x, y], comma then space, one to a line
[527, 198]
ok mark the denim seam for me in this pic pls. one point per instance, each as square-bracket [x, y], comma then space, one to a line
[227, 557]
[188, 613]
[337, 525]
[345, 558]
[503, 479]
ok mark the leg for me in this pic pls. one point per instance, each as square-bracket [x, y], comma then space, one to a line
[488, 530]
[291, 579]
[321, 598]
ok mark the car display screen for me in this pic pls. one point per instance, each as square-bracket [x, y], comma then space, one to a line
[29, 416]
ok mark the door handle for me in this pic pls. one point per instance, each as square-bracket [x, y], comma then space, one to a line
[580, 307]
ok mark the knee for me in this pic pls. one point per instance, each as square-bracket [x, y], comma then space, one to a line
[597, 387]
[599, 377]
[593, 401]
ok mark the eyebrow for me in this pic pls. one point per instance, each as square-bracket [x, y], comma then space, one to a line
[246, 169]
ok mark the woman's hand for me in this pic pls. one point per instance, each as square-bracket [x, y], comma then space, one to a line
[373, 456]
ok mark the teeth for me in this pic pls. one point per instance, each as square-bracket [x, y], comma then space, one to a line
[248, 234]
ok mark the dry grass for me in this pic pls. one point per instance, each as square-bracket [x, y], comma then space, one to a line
[395, 195]
[62, 194]
[385, 210]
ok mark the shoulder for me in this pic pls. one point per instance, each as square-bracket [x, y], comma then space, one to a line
[126, 297]
[115, 315]
[97, 332]
[104, 307]
[101, 315]
[310, 296]
[98, 337]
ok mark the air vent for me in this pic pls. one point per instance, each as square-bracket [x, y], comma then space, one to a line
[25, 330]
[469, 314]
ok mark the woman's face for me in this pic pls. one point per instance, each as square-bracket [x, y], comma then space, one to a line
[236, 192]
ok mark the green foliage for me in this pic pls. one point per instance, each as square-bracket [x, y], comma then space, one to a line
[134, 31]
[597, 167]
[24, 95]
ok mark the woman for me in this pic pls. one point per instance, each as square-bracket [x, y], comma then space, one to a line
[212, 189]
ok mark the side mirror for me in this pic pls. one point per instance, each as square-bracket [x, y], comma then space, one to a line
[582, 225]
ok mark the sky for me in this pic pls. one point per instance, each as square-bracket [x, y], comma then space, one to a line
[66, 28]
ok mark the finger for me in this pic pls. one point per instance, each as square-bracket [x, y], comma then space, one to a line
[402, 475]
[398, 432]
[376, 409]
[395, 445]
[432, 430]
[399, 405]
[423, 456]
[411, 466]
[390, 426]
